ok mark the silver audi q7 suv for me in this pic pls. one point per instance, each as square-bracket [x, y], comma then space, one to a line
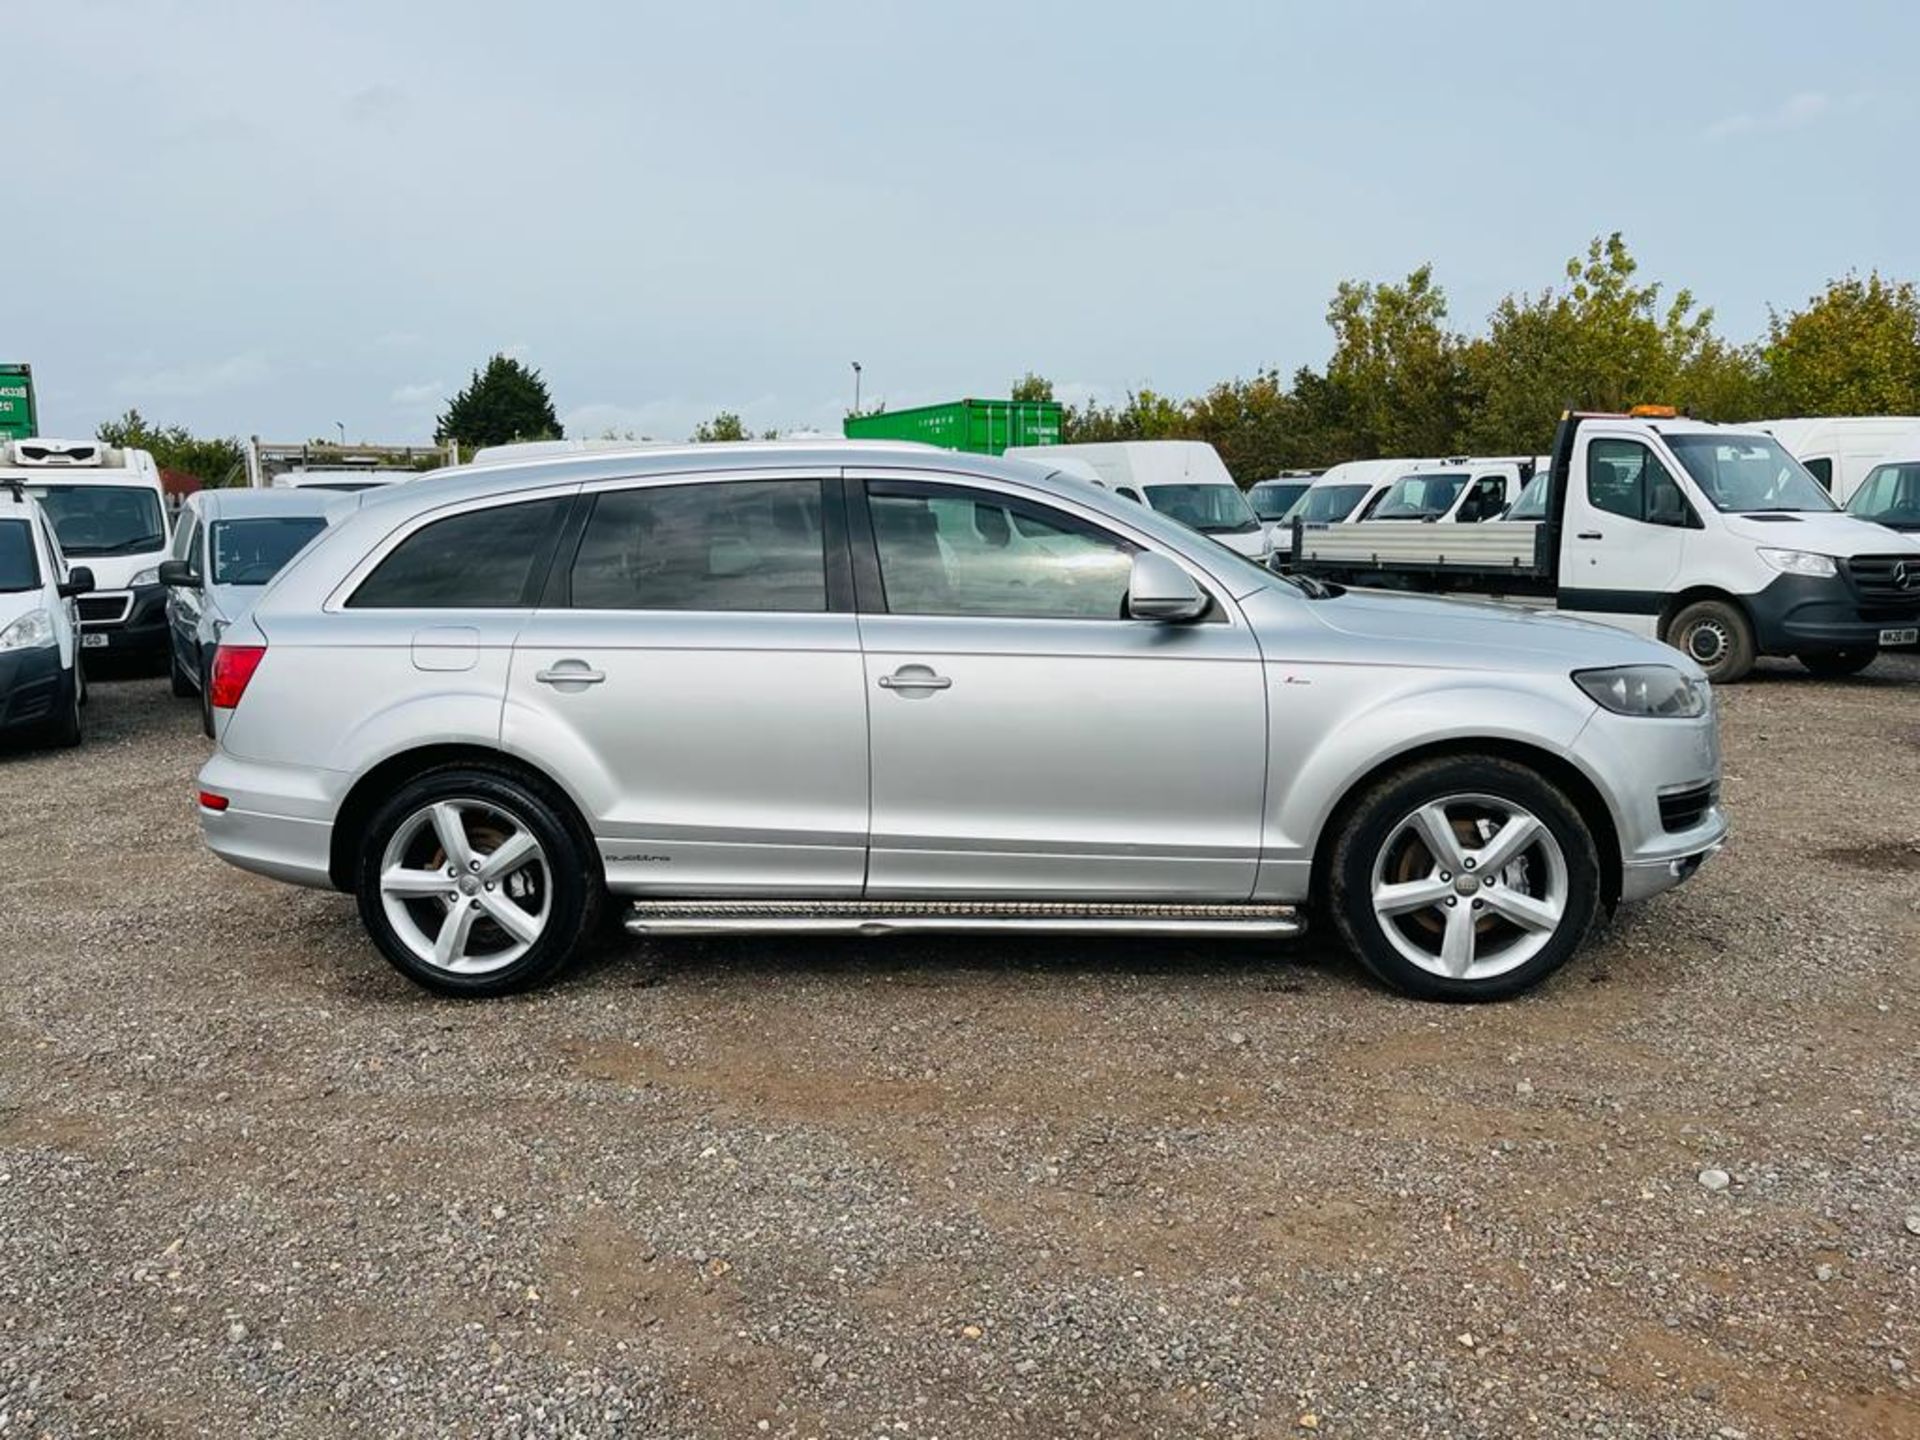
[856, 688]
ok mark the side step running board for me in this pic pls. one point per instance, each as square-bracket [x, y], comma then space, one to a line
[907, 917]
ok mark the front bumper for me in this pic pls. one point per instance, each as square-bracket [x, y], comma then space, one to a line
[142, 633]
[1634, 762]
[1808, 614]
[33, 686]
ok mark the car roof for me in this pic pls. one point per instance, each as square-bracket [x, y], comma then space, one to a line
[247, 503]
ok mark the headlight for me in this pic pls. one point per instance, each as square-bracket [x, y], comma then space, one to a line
[1657, 690]
[150, 576]
[29, 632]
[1800, 562]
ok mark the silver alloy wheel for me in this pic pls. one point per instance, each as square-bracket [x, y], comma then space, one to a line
[466, 886]
[1470, 887]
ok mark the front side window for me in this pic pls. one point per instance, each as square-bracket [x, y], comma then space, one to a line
[1210, 509]
[252, 552]
[1822, 470]
[96, 520]
[1625, 478]
[481, 560]
[720, 545]
[19, 569]
[1747, 474]
[948, 551]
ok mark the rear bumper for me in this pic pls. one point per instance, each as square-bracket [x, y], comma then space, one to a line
[1805, 614]
[278, 821]
[33, 687]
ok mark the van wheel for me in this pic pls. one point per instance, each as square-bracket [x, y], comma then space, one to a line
[177, 676]
[1716, 636]
[475, 881]
[1833, 664]
[1464, 878]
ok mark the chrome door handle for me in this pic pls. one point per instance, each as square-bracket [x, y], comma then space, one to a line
[581, 676]
[915, 682]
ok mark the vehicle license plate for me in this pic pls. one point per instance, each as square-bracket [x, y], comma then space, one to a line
[1909, 636]
[93, 641]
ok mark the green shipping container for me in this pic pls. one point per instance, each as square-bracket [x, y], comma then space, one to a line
[982, 427]
[17, 418]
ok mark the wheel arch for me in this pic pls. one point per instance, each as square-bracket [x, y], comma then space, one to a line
[1692, 595]
[1556, 769]
[363, 799]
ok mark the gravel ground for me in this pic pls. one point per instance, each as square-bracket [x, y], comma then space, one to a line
[253, 1182]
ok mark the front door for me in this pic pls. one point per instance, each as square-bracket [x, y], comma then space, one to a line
[1626, 528]
[1030, 740]
[694, 670]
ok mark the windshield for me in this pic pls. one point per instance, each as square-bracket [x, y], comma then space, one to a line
[1889, 496]
[1749, 473]
[1271, 502]
[18, 569]
[1532, 504]
[1210, 509]
[251, 552]
[104, 519]
[1324, 504]
[1420, 497]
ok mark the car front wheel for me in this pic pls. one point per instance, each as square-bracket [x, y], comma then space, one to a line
[1464, 878]
[474, 881]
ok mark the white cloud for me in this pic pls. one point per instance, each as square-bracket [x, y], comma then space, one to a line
[424, 392]
[191, 382]
[1796, 112]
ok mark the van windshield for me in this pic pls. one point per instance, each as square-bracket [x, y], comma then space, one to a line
[18, 569]
[1420, 497]
[1211, 509]
[1889, 496]
[1532, 504]
[1748, 474]
[252, 552]
[1324, 504]
[104, 519]
[1271, 502]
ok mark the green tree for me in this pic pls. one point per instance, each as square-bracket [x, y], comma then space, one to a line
[502, 403]
[213, 462]
[1853, 350]
[1401, 369]
[1031, 387]
[724, 426]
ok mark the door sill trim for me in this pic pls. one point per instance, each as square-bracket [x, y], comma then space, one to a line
[906, 917]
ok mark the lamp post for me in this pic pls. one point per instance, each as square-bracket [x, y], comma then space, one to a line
[341, 426]
[856, 387]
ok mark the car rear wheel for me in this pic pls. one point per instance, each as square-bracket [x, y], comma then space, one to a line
[1716, 636]
[1834, 664]
[476, 882]
[1464, 878]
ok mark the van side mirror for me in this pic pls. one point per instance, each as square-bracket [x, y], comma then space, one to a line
[178, 574]
[1158, 589]
[79, 581]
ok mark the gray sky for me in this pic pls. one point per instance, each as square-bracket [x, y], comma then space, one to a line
[261, 216]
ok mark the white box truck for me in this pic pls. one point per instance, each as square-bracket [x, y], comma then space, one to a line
[1711, 538]
[1840, 451]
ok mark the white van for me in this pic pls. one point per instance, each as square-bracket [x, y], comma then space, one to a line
[1461, 492]
[1182, 478]
[1349, 491]
[41, 687]
[1711, 538]
[109, 511]
[1840, 450]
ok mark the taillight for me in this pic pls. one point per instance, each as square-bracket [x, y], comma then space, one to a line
[233, 667]
[211, 801]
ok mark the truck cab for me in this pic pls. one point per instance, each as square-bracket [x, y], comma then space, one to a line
[108, 509]
[1463, 492]
[1711, 538]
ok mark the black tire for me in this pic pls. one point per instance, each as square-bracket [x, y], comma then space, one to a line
[572, 887]
[1717, 636]
[1836, 664]
[63, 731]
[182, 683]
[206, 704]
[1371, 832]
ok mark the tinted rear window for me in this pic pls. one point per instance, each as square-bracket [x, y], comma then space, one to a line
[727, 545]
[18, 569]
[483, 560]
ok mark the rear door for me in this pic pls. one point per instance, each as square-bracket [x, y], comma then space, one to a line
[1625, 532]
[694, 671]
[1030, 740]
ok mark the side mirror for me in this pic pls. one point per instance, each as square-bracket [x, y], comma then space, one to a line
[178, 574]
[79, 581]
[1160, 590]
